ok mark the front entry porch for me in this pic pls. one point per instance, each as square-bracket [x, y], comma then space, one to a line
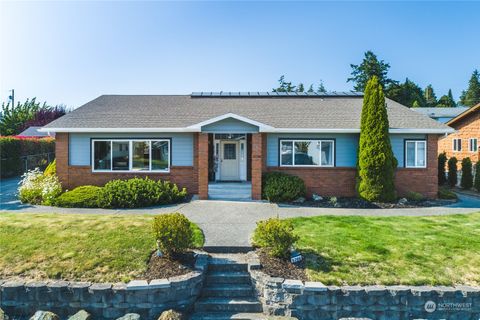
[230, 191]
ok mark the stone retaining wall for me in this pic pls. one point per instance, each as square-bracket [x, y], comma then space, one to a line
[313, 300]
[104, 300]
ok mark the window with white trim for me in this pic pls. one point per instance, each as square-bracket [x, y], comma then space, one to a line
[131, 155]
[473, 144]
[415, 154]
[457, 144]
[305, 153]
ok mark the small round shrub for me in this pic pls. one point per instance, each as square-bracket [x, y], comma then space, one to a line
[174, 233]
[80, 197]
[467, 177]
[137, 192]
[444, 193]
[276, 236]
[281, 187]
[442, 161]
[414, 196]
[51, 169]
[36, 188]
[452, 172]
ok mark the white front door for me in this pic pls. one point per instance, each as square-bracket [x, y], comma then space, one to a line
[229, 162]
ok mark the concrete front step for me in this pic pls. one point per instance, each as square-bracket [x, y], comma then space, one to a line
[216, 277]
[228, 315]
[215, 265]
[248, 305]
[228, 290]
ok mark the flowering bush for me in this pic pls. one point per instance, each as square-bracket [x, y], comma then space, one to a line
[36, 188]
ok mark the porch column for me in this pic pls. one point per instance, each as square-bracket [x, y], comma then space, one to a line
[258, 164]
[203, 166]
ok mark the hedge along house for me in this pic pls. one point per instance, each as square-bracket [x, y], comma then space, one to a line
[204, 139]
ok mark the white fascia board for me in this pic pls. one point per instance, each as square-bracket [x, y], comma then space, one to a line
[79, 130]
[424, 131]
[260, 125]
[352, 130]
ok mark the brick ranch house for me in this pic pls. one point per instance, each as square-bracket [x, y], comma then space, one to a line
[205, 138]
[463, 142]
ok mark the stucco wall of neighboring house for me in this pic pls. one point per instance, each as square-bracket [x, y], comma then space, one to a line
[73, 176]
[468, 127]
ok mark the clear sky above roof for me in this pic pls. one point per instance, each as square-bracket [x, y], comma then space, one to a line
[72, 52]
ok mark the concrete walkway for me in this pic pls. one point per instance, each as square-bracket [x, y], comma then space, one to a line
[229, 223]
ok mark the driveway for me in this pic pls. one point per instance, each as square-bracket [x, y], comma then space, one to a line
[230, 224]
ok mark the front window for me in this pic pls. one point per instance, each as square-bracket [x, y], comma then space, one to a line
[473, 145]
[457, 144]
[307, 153]
[131, 155]
[416, 154]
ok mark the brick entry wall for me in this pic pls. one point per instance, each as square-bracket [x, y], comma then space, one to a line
[74, 176]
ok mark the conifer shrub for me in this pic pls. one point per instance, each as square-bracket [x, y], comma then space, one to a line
[376, 162]
[476, 182]
[174, 233]
[80, 197]
[466, 181]
[275, 236]
[442, 161]
[281, 187]
[452, 172]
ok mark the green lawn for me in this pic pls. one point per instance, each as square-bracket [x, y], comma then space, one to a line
[77, 246]
[437, 250]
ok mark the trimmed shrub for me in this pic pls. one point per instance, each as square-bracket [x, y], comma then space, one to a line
[452, 172]
[444, 193]
[138, 192]
[281, 187]
[467, 177]
[51, 169]
[414, 196]
[80, 197]
[12, 149]
[276, 236]
[476, 182]
[36, 188]
[376, 162]
[173, 232]
[442, 161]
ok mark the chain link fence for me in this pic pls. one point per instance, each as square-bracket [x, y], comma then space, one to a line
[11, 167]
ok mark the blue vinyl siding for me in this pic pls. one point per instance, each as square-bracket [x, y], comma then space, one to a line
[230, 125]
[346, 146]
[182, 146]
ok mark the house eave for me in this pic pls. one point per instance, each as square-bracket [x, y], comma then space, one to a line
[129, 130]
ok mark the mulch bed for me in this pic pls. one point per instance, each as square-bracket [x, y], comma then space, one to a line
[162, 267]
[276, 267]
[357, 203]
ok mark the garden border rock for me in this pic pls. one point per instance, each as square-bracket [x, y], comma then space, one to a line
[315, 301]
[21, 299]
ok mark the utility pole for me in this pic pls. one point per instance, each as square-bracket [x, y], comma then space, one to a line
[12, 97]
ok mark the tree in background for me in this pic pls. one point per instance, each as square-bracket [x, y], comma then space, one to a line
[408, 93]
[300, 87]
[467, 177]
[368, 68]
[45, 115]
[430, 97]
[321, 88]
[14, 117]
[287, 86]
[476, 182]
[471, 96]
[447, 101]
[376, 163]
[442, 161]
[452, 172]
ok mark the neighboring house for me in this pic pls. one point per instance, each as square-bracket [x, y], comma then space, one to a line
[33, 132]
[442, 115]
[464, 141]
[202, 137]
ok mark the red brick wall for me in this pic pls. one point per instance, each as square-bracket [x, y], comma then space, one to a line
[258, 163]
[203, 165]
[74, 176]
[340, 181]
[468, 127]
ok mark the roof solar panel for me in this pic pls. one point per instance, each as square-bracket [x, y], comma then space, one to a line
[264, 94]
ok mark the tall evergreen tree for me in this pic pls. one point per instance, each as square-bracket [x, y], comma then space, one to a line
[406, 93]
[442, 161]
[446, 101]
[310, 89]
[368, 68]
[300, 87]
[430, 97]
[284, 86]
[321, 88]
[376, 163]
[466, 181]
[471, 96]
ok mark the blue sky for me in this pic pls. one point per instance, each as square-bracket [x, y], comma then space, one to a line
[72, 52]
